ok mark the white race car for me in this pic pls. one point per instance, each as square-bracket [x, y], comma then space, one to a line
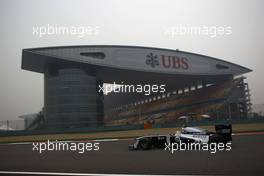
[222, 134]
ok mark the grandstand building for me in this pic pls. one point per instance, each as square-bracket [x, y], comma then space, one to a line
[196, 85]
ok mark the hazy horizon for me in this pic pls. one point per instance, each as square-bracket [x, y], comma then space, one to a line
[135, 22]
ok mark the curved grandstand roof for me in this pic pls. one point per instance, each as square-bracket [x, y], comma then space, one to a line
[134, 61]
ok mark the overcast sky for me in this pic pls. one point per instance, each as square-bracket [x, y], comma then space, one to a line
[123, 22]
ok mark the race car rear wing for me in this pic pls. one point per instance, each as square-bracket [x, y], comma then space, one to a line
[223, 129]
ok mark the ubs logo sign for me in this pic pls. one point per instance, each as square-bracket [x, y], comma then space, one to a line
[152, 60]
[167, 61]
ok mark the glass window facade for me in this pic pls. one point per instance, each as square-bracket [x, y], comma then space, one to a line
[71, 99]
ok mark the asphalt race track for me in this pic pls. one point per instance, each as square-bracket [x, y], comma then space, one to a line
[246, 157]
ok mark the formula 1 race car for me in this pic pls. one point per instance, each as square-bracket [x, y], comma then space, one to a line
[222, 134]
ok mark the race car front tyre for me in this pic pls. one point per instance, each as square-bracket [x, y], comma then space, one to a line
[145, 144]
